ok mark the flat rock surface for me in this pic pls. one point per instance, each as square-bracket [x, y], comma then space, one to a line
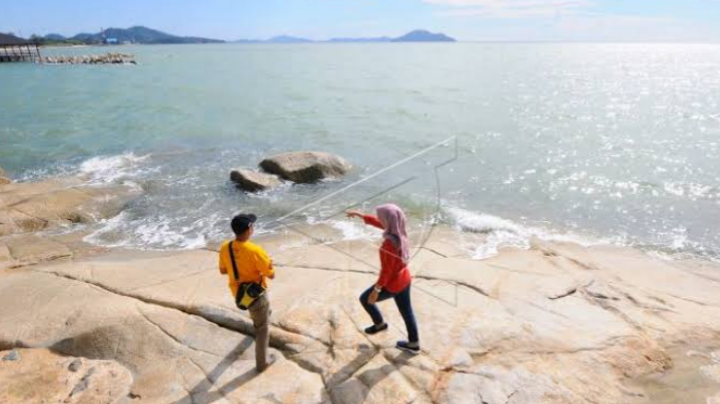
[557, 323]
[175, 357]
[30, 207]
[32, 248]
[34, 376]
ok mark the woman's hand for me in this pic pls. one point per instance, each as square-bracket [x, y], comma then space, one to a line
[353, 213]
[372, 299]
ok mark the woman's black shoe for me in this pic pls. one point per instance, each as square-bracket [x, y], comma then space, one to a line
[408, 347]
[376, 328]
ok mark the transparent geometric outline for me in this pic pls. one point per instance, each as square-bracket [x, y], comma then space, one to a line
[278, 223]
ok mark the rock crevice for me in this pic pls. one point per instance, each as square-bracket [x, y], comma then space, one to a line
[520, 328]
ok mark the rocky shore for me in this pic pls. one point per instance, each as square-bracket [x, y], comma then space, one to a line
[558, 323]
[105, 59]
[31, 212]
[4, 180]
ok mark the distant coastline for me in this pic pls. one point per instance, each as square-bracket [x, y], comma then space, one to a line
[121, 36]
[140, 35]
[412, 36]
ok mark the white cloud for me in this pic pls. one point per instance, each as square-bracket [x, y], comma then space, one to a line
[570, 20]
[611, 27]
[504, 3]
[511, 8]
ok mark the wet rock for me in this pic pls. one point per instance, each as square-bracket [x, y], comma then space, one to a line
[4, 180]
[253, 181]
[306, 166]
[29, 207]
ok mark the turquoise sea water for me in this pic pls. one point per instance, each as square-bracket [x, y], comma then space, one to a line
[594, 142]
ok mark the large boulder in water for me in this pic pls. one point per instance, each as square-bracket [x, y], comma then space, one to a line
[306, 167]
[253, 181]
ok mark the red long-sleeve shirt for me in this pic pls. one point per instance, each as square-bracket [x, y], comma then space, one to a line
[394, 273]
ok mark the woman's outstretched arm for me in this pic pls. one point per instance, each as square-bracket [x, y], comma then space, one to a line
[368, 219]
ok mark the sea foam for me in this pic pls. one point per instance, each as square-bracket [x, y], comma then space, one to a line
[108, 169]
[503, 233]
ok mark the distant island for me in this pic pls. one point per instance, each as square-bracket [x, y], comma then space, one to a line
[118, 36]
[148, 36]
[423, 36]
[413, 36]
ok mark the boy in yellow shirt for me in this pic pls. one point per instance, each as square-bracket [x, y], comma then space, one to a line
[252, 266]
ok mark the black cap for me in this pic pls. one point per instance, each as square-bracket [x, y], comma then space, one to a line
[242, 222]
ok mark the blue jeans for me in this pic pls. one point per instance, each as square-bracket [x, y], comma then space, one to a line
[402, 300]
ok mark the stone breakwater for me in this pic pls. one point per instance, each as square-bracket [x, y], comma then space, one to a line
[106, 59]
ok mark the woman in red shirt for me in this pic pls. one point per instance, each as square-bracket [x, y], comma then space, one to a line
[394, 280]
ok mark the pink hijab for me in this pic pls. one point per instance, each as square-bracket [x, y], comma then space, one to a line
[393, 220]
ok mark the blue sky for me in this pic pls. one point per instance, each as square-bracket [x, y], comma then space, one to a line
[503, 20]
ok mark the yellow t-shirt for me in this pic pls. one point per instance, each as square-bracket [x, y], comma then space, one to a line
[253, 264]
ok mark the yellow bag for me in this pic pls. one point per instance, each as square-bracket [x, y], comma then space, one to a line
[247, 293]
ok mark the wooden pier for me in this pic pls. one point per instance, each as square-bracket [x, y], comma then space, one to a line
[14, 49]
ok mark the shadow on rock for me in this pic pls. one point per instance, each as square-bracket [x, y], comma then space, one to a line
[357, 387]
[201, 394]
[99, 343]
[366, 354]
[111, 344]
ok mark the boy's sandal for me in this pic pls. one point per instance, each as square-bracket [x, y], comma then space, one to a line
[376, 328]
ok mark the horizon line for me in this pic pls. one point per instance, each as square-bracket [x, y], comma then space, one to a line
[369, 38]
[479, 41]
